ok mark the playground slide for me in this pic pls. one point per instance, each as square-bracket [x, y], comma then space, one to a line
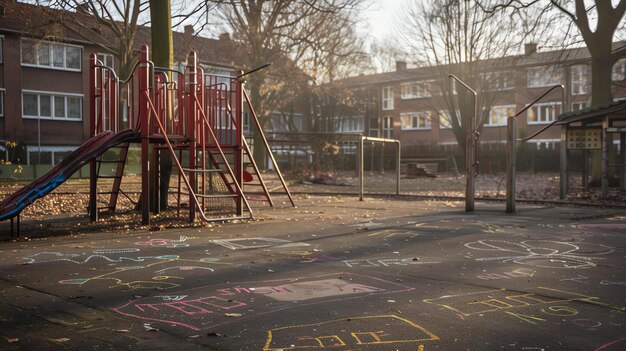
[40, 187]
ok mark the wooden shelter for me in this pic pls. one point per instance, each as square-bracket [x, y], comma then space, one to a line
[600, 129]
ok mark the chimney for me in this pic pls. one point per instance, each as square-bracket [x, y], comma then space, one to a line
[530, 48]
[225, 36]
[400, 66]
[189, 30]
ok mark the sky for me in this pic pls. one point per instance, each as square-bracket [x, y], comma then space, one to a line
[380, 15]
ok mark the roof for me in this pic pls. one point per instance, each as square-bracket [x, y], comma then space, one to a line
[594, 113]
[46, 23]
[535, 58]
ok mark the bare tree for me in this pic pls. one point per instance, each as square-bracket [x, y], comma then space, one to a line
[457, 37]
[597, 24]
[280, 31]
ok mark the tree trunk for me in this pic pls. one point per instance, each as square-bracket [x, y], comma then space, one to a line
[162, 56]
[601, 76]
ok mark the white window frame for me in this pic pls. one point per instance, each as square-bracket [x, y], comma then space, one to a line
[445, 116]
[386, 127]
[421, 120]
[52, 95]
[498, 80]
[351, 124]
[501, 120]
[618, 72]
[580, 105]
[387, 98]
[103, 57]
[579, 79]
[537, 109]
[50, 65]
[536, 76]
[2, 91]
[416, 89]
[48, 149]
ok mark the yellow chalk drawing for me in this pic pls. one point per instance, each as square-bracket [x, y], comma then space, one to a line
[353, 333]
[505, 301]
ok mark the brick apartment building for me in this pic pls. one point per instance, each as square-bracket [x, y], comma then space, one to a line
[402, 104]
[44, 79]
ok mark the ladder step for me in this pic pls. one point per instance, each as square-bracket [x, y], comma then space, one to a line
[216, 196]
[202, 170]
[110, 161]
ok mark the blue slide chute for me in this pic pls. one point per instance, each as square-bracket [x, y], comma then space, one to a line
[42, 186]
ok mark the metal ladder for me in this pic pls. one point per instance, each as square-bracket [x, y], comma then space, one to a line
[118, 173]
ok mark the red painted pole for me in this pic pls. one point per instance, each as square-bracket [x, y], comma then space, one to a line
[144, 119]
[238, 149]
[93, 177]
[191, 120]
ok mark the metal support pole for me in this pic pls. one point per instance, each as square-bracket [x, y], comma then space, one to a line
[622, 173]
[398, 169]
[606, 143]
[360, 167]
[563, 181]
[511, 164]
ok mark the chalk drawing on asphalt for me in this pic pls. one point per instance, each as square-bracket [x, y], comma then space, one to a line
[351, 333]
[256, 243]
[542, 253]
[204, 307]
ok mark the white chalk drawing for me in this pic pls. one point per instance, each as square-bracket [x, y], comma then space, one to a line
[542, 253]
[96, 255]
[169, 243]
[386, 262]
[256, 243]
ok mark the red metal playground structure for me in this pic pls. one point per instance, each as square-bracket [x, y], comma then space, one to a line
[191, 118]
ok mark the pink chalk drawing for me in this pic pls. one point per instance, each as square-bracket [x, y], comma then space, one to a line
[204, 307]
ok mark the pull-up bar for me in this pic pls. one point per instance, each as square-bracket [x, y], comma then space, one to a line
[360, 165]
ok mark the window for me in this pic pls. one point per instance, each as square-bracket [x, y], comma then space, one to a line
[106, 59]
[579, 80]
[499, 114]
[415, 120]
[543, 76]
[47, 155]
[387, 127]
[387, 98]
[373, 127]
[577, 106]
[496, 81]
[1, 102]
[56, 106]
[445, 119]
[545, 112]
[351, 125]
[619, 70]
[285, 122]
[1, 45]
[51, 55]
[414, 90]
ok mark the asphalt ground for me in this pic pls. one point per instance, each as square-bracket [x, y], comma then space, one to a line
[332, 274]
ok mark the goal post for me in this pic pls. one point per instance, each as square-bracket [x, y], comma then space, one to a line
[360, 162]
